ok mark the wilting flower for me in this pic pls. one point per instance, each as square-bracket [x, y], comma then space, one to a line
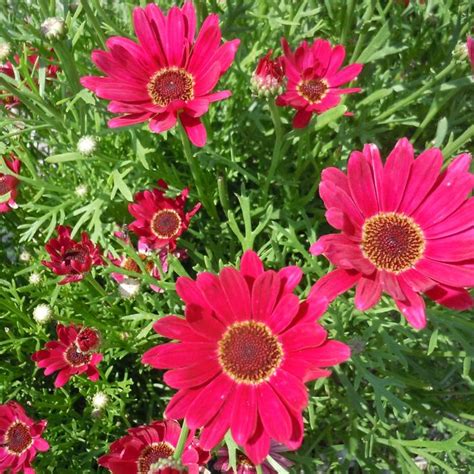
[470, 50]
[170, 75]
[86, 145]
[245, 465]
[75, 352]
[9, 185]
[142, 447]
[71, 258]
[20, 439]
[5, 50]
[10, 101]
[160, 220]
[128, 263]
[406, 228]
[269, 76]
[52, 28]
[314, 76]
[42, 313]
[246, 348]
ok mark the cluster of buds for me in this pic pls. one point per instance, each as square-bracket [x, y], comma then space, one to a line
[268, 78]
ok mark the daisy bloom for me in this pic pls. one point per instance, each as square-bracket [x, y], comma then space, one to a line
[269, 76]
[52, 28]
[75, 352]
[71, 258]
[142, 447]
[314, 76]
[169, 75]
[246, 347]
[407, 227]
[245, 466]
[20, 439]
[160, 220]
[128, 263]
[9, 185]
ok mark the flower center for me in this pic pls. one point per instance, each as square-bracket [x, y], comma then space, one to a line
[132, 266]
[313, 90]
[75, 357]
[170, 84]
[18, 438]
[88, 339]
[245, 462]
[78, 253]
[152, 453]
[392, 241]
[166, 223]
[249, 352]
[4, 185]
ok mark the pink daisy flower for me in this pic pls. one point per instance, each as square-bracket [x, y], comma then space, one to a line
[144, 446]
[406, 228]
[314, 76]
[160, 220]
[9, 185]
[245, 350]
[71, 258]
[20, 439]
[75, 352]
[169, 76]
[245, 466]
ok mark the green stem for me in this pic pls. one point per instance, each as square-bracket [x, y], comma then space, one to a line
[95, 23]
[407, 100]
[181, 441]
[277, 147]
[95, 285]
[259, 469]
[196, 171]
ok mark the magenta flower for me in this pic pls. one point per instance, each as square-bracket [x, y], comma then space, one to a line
[314, 76]
[20, 439]
[243, 354]
[169, 75]
[406, 228]
[74, 353]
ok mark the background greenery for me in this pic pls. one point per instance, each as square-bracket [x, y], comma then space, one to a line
[406, 398]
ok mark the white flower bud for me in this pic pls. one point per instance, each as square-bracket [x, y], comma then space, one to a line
[86, 145]
[25, 256]
[52, 28]
[34, 278]
[81, 190]
[99, 400]
[129, 288]
[4, 50]
[42, 313]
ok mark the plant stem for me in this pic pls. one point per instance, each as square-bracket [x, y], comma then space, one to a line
[181, 441]
[97, 286]
[197, 175]
[428, 85]
[277, 147]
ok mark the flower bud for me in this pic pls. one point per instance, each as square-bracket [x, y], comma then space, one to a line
[269, 76]
[4, 50]
[52, 28]
[42, 313]
[86, 145]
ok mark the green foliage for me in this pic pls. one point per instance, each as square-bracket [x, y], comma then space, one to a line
[405, 396]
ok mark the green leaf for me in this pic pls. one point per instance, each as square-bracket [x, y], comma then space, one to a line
[63, 157]
[120, 184]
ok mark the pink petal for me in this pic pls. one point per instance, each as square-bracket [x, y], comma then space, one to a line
[204, 323]
[188, 377]
[329, 354]
[346, 74]
[303, 336]
[368, 292]
[210, 286]
[454, 298]
[290, 277]
[334, 284]
[209, 401]
[265, 293]
[189, 292]
[456, 248]
[301, 119]
[446, 273]
[396, 172]
[273, 413]
[459, 221]
[290, 388]
[237, 292]
[412, 307]
[174, 327]
[173, 355]
[251, 265]
[424, 173]
[160, 123]
[195, 130]
[284, 313]
[127, 120]
[244, 413]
